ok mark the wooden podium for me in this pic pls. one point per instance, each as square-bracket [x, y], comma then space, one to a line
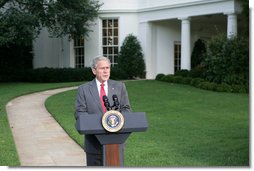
[112, 142]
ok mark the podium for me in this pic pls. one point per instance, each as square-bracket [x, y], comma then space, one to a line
[112, 148]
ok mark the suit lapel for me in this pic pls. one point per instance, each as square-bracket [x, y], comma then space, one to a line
[111, 91]
[95, 94]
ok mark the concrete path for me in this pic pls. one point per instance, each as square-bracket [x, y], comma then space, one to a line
[40, 140]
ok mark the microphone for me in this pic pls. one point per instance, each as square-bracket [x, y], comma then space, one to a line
[106, 103]
[116, 102]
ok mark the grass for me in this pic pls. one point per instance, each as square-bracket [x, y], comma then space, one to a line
[187, 126]
[8, 91]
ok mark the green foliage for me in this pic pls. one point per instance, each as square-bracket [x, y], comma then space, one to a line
[22, 20]
[14, 60]
[131, 58]
[198, 53]
[117, 73]
[202, 83]
[227, 60]
[159, 76]
[58, 75]
[52, 75]
[183, 73]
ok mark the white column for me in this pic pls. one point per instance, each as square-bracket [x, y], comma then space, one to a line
[231, 25]
[185, 44]
[145, 37]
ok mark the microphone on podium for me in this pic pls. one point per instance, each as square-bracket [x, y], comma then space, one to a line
[116, 102]
[106, 103]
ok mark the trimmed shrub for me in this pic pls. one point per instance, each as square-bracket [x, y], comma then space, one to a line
[131, 58]
[203, 84]
[183, 73]
[196, 81]
[118, 73]
[198, 54]
[58, 75]
[159, 76]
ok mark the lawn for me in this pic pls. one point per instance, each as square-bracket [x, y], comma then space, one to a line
[187, 126]
[8, 91]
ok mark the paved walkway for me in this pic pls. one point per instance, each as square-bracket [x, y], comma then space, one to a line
[40, 140]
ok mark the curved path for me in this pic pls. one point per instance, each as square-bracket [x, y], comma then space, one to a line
[39, 139]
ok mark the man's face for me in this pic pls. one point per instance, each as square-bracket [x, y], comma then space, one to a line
[102, 71]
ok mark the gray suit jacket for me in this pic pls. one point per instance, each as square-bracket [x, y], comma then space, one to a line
[88, 102]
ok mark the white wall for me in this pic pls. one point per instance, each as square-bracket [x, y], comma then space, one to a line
[167, 32]
[51, 52]
[47, 51]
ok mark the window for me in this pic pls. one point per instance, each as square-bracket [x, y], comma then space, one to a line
[110, 39]
[177, 56]
[79, 51]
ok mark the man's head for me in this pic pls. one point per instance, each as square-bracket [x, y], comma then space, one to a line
[101, 68]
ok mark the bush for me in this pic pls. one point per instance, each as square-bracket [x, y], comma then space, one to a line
[131, 58]
[14, 60]
[198, 54]
[197, 72]
[159, 76]
[167, 78]
[203, 84]
[183, 73]
[227, 60]
[58, 75]
[223, 88]
[118, 73]
[196, 81]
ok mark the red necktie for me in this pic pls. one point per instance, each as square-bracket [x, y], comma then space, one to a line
[102, 93]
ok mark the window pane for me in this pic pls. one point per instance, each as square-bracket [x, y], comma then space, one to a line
[105, 50]
[110, 50]
[104, 23]
[109, 23]
[104, 41]
[110, 41]
[116, 23]
[115, 40]
[115, 50]
[104, 32]
[110, 32]
[115, 32]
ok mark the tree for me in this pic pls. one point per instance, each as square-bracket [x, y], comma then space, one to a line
[131, 58]
[198, 53]
[22, 20]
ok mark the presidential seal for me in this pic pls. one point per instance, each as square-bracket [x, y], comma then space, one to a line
[112, 121]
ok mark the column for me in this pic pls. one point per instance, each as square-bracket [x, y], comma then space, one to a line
[231, 25]
[185, 44]
[145, 37]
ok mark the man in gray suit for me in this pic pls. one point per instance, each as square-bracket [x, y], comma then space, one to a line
[88, 102]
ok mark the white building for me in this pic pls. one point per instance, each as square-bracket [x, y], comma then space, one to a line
[166, 29]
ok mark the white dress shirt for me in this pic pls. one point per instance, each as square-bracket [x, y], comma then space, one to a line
[98, 83]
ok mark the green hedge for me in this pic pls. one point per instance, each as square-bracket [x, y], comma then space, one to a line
[202, 83]
[51, 75]
[58, 75]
